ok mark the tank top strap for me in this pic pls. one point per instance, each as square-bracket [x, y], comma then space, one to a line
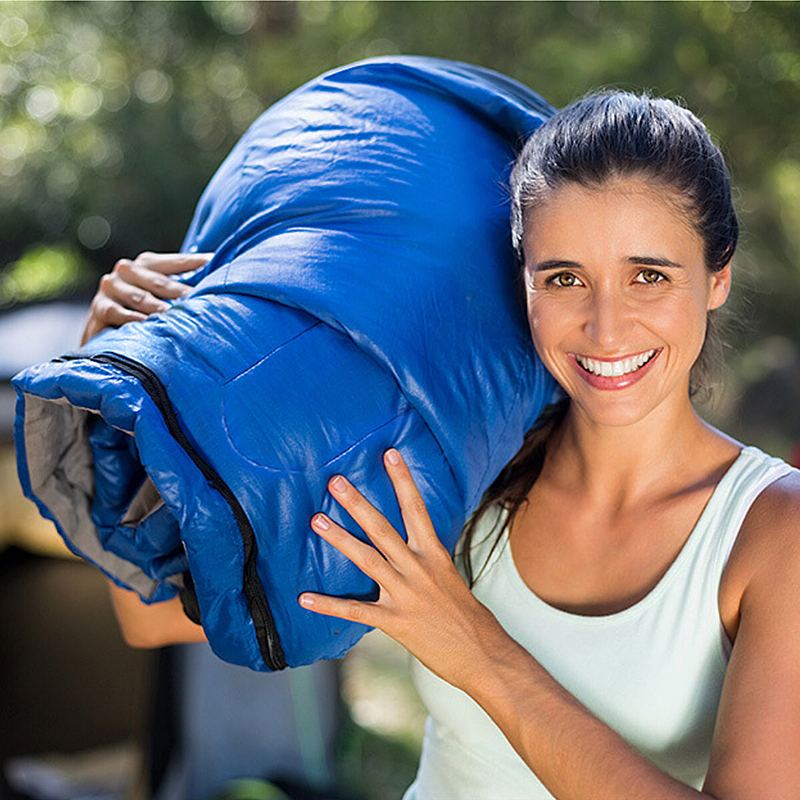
[757, 470]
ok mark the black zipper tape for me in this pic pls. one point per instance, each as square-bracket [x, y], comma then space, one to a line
[268, 640]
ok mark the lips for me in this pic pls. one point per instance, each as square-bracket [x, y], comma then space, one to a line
[614, 382]
[615, 368]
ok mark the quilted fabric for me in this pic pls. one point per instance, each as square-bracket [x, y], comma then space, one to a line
[362, 295]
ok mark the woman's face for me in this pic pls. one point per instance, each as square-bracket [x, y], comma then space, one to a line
[615, 274]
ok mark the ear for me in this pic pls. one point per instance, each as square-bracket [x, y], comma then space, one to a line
[719, 287]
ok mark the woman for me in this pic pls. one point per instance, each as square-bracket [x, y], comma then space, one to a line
[630, 628]
[594, 635]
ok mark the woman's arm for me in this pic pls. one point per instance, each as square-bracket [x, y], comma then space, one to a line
[153, 625]
[573, 753]
[756, 746]
[425, 605]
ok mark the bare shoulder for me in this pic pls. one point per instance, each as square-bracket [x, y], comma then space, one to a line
[777, 506]
[770, 532]
[756, 745]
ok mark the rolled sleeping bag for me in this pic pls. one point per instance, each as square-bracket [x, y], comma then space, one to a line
[362, 295]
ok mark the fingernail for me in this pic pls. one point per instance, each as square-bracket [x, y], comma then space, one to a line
[392, 456]
[307, 601]
[321, 522]
[338, 483]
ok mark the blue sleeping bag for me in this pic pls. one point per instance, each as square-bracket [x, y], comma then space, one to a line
[363, 294]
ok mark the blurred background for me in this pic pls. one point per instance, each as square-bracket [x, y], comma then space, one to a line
[114, 115]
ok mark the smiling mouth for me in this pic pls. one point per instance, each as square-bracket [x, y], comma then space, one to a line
[614, 369]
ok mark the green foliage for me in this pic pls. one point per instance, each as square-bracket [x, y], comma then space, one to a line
[42, 273]
[115, 114]
[373, 766]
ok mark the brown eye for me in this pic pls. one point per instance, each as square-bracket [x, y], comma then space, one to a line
[655, 277]
[568, 275]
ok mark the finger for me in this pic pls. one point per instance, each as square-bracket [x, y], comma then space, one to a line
[354, 610]
[365, 557]
[127, 271]
[106, 313]
[114, 315]
[133, 298]
[169, 263]
[372, 522]
[90, 328]
[416, 518]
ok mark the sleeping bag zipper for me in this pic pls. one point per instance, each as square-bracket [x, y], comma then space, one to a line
[267, 635]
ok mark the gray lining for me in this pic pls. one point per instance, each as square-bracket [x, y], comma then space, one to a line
[60, 470]
[145, 502]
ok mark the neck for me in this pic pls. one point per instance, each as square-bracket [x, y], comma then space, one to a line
[618, 467]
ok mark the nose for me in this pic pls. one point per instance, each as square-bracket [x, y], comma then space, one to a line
[608, 321]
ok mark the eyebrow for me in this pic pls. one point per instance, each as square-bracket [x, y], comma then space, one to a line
[650, 261]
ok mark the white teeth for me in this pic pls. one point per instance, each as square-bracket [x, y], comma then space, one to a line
[616, 368]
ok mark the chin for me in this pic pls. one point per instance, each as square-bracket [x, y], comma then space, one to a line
[613, 415]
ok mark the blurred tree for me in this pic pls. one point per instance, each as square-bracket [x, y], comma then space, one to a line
[40, 274]
[115, 114]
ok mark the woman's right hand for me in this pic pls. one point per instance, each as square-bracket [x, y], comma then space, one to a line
[136, 288]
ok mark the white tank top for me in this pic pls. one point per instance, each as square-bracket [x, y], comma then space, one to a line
[653, 672]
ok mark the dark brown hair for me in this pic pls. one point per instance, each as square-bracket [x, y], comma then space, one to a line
[602, 136]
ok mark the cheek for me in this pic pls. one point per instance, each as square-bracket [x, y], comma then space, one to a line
[550, 324]
[676, 317]
[547, 319]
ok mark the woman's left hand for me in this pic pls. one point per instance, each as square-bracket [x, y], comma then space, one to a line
[424, 604]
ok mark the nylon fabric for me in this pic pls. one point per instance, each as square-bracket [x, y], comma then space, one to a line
[361, 295]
